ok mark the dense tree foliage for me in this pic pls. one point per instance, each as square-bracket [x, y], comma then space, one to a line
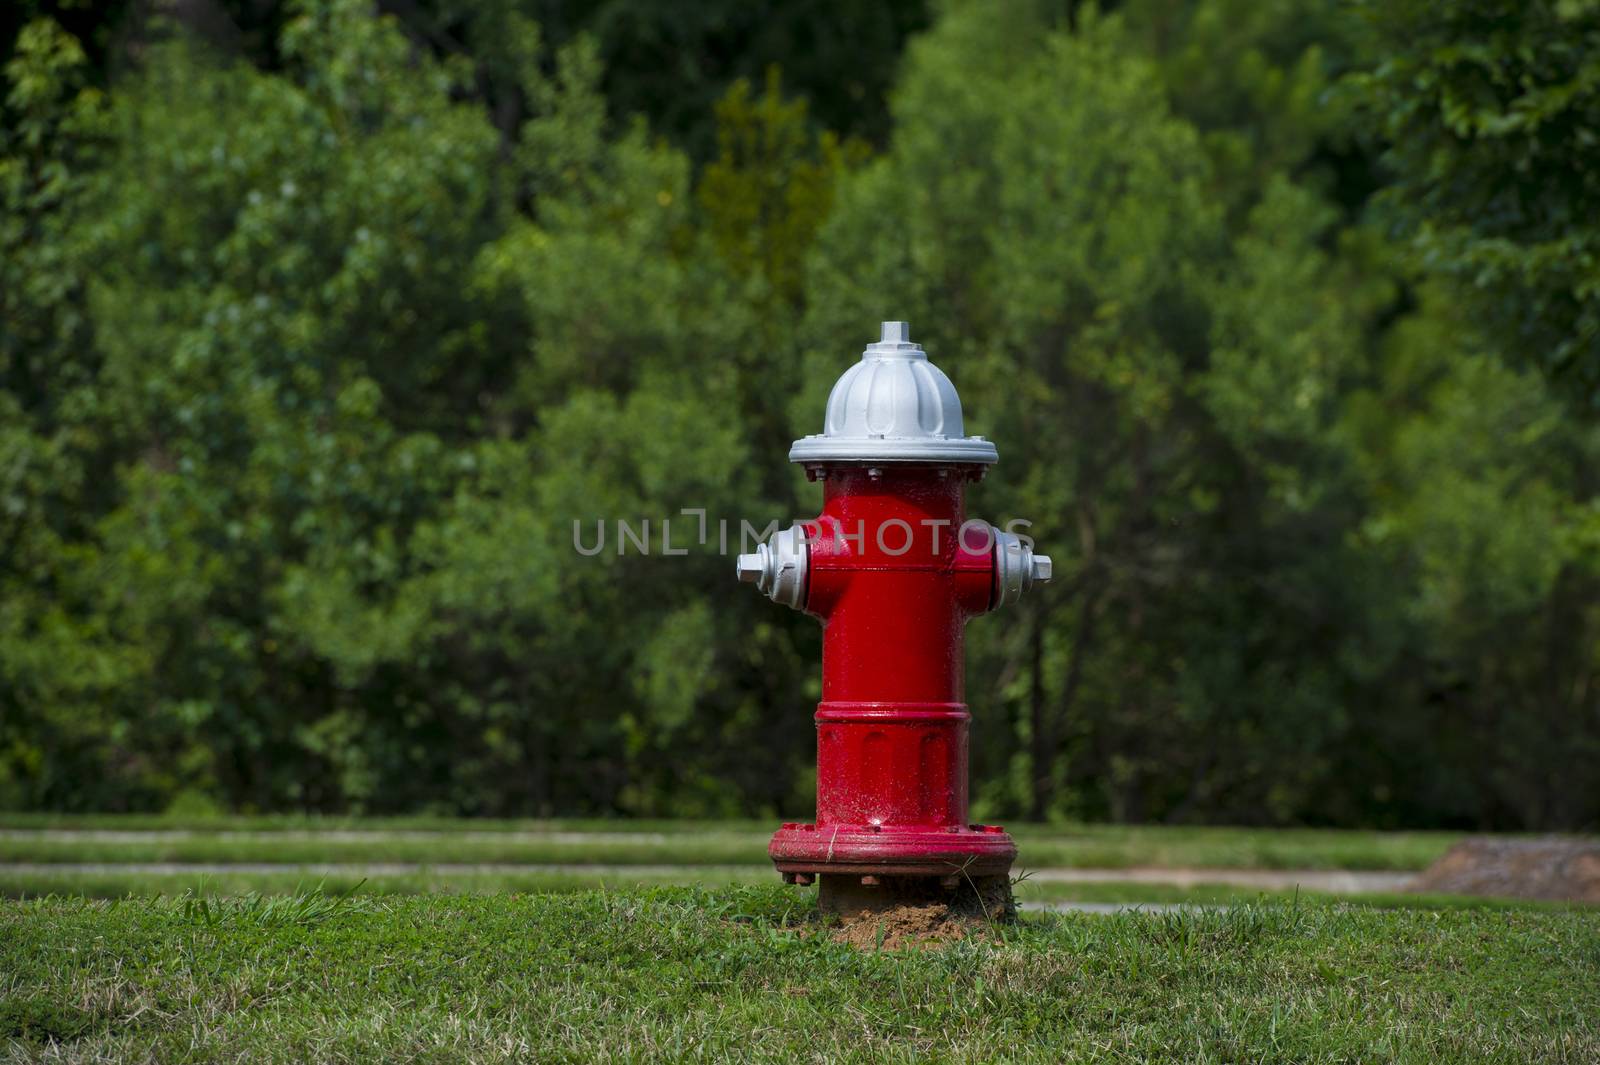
[331, 353]
[1489, 111]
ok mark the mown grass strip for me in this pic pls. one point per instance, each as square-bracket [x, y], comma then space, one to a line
[114, 885]
[715, 843]
[445, 848]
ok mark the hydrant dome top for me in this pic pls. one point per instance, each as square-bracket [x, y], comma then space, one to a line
[893, 406]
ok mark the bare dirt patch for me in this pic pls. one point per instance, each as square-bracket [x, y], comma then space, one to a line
[907, 925]
[891, 913]
[1555, 868]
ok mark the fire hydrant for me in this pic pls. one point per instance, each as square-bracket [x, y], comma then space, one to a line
[894, 571]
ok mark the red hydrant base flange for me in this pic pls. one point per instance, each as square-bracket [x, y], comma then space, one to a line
[977, 850]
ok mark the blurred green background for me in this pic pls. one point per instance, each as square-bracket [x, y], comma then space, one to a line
[324, 322]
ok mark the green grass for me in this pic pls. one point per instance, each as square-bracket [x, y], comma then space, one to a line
[746, 973]
[292, 841]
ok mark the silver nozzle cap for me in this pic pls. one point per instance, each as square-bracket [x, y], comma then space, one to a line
[1016, 567]
[779, 567]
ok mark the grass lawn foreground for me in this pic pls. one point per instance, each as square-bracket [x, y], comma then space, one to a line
[747, 972]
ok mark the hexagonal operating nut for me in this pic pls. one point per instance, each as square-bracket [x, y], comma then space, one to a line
[749, 568]
[1041, 569]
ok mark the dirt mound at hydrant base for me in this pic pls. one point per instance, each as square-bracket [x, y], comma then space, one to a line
[1553, 868]
[894, 912]
[913, 924]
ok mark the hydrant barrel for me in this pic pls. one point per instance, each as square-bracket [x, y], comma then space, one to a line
[892, 726]
[894, 571]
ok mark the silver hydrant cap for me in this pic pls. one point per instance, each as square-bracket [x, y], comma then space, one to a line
[893, 406]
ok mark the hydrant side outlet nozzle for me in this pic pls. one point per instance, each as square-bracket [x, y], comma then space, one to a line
[1016, 567]
[894, 459]
[778, 567]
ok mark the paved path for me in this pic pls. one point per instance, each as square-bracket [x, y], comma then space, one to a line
[1115, 907]
[1339, 881]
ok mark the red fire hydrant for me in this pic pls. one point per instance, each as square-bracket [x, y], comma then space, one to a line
[894, 570]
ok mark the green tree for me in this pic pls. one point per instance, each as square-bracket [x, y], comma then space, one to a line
[358, 371]
[56, 662]
[1486, 111]
[1474, 472]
